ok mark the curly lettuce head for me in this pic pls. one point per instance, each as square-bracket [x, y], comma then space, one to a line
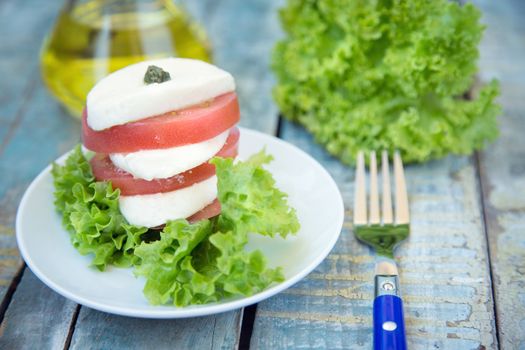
[384, 75]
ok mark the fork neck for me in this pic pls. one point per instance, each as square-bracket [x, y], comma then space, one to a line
[386, 285]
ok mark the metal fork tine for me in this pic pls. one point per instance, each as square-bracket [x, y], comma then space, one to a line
[402, 216]
[387, 193]
[374, 196]
[360, 191]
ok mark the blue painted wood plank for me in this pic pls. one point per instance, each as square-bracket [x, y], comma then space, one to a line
[105, 331]
[43, 133]
[19, 46]
[444, 271]
[38, 317]
[503, 166]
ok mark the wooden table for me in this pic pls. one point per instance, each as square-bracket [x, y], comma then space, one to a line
[463, 269]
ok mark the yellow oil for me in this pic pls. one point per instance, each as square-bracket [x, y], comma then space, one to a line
[93, 38]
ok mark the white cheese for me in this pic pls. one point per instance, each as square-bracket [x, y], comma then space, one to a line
[123, 97]
[164, 163]
[152, 210]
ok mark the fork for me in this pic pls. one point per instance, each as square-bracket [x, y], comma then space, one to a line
[383, 233]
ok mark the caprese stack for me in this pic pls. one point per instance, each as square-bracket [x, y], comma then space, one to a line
[154, 134]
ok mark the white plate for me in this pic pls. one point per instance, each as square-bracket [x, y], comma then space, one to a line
[46, 248]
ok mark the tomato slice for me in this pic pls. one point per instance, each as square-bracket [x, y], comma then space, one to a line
[207, 212]
[210, 211]
[105, 170]
[176, 128]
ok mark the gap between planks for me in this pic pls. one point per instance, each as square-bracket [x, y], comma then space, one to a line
[248, 320]
[249, 312]
[11, 291]
[483, 192]
[72, 325]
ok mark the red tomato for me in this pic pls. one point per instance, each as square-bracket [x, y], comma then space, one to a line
[176, 128]
[210, 211]
[105, 170]
[207, 212]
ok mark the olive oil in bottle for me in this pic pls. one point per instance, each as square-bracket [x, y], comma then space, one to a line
[93, 38]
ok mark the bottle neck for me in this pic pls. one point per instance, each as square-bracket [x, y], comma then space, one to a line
[120, 13]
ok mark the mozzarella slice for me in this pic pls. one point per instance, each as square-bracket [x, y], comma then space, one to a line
[164, 163]
[123, 97]
[152, 210]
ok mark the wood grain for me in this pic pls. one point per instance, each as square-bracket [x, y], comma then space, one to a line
[444, 270]
[37, 315]
[502, 167]
[18, 47]
[117, 332]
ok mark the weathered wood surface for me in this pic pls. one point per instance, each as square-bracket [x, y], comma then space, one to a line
[42, 134]
[35, 130]
[503, 166]
[444, 270]
[104, 331]
[37, 315]
[19, 44]
[444, 265]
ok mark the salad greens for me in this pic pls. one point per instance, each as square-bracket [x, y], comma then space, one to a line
[384, 74]
[186, 263]
[249, 198]
[91, 214]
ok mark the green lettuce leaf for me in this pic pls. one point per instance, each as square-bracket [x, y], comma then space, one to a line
[91, 214]
[169, 275]
[369, 75]
[249, 199]
[192, 265]
[240, 272]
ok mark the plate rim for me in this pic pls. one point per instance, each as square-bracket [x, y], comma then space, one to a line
[173, 312]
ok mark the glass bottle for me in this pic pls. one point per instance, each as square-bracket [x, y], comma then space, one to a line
[92, 38]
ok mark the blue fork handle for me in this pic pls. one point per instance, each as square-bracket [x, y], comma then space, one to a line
[389, 323]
